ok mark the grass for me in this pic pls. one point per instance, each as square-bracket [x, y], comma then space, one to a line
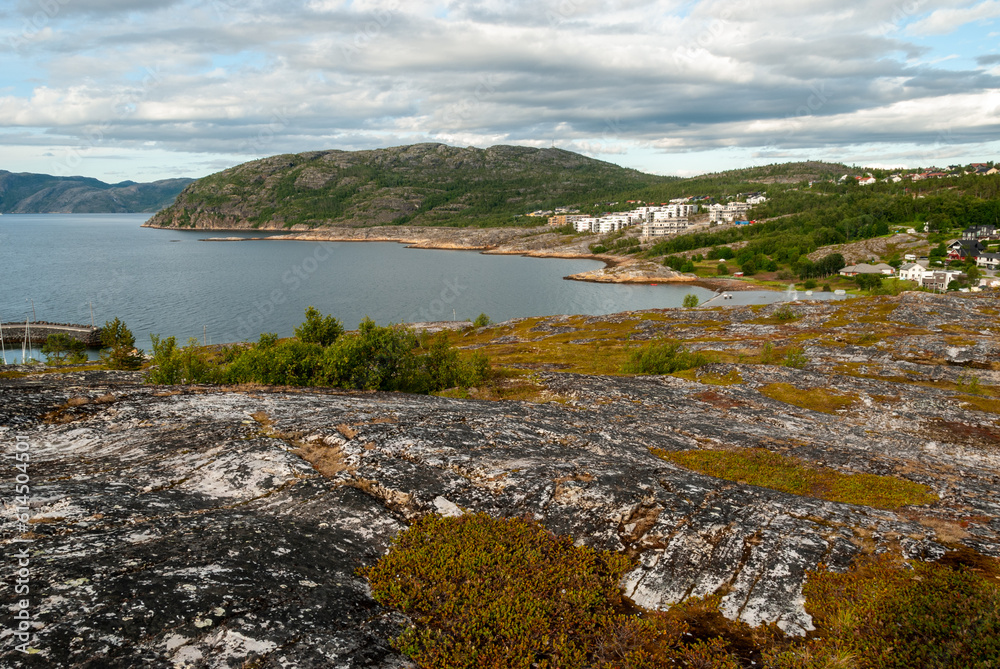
[814, 399]
[766, 469]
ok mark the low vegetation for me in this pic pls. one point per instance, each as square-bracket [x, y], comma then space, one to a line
[499, 593]
[823, 400]
[764, 468]
[389, 358]
[664, 356]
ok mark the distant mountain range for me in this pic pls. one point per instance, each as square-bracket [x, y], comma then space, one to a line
[25, 193]
[422, 184]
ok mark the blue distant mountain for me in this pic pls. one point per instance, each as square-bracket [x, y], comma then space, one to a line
[25, 193]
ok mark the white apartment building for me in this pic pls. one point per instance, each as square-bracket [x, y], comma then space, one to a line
[585, 224]
[731, 211]
[664, 227]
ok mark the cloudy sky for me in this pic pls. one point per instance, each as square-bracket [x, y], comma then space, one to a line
[150, 89]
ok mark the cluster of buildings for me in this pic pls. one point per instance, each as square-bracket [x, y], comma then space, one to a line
[969, 246]
[981, 169]
[656, 220]
[667, 218]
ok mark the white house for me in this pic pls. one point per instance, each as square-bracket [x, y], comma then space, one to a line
[728, 212]
[988, 260]
[913, 272]
[585, 224]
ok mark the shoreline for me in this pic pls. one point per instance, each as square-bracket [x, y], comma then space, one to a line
[523, 242]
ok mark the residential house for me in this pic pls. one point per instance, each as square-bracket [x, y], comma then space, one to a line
[982, 231]
[865, 268]
[866, 181]
[964, 248]
[913, 272]
[664, 227]
[988, 260]
[939, 280]
[728, 212]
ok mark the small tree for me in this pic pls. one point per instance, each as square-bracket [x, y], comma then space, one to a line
[722, 269]
[60, 347]
[119, 351]
[482, 320]
[869, 281]
[319, 329]
[690, 300]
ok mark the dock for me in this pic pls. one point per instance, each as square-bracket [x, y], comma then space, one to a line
[13, 333]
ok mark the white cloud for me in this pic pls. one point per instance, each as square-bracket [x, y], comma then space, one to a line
[943, 21]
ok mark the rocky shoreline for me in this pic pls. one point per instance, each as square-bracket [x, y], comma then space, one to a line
[207, 526]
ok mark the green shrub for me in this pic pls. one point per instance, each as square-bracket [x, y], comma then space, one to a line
[722, 269]
[505, 593]
[285, 363]
[892, 616]
[784, 313]
[796, 357]
[664, 356]
[377, 358]
[60, 347]
[690, 300]
[810, 284]
[319, 329]
[172, 365]
[482, 320]
[119, 351]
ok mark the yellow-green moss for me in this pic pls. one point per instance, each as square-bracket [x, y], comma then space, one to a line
[764, 468]
[814, 399]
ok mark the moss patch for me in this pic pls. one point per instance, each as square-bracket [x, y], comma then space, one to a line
[814, 399]
[764, 468]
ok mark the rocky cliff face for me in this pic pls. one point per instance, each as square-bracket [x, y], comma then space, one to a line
[211, 527]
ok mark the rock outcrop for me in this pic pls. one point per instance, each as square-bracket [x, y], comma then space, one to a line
[203, 526]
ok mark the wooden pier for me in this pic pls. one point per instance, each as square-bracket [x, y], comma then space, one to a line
[13, 333]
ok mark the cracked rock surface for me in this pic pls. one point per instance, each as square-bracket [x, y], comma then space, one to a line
[182, 527]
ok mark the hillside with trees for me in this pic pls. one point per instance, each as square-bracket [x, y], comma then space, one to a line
[423, 184]
[25, 193]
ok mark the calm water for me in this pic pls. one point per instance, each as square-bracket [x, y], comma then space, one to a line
[170, 283]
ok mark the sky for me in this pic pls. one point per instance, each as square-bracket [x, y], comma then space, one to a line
[154, 89]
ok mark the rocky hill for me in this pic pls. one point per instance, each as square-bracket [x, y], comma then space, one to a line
[24, 193]
[204, 526]
[423, 184]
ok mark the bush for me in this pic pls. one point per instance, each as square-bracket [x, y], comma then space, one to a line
[482, 320]
[810, 284]
[284, 363]
[319, 329]
[664, 356]
[60, 347]
[722, 269]
[889, 616]
[172, 365]
[784, 313]
[796, 358]
[690, 300]
[377, 358]
[506, 593]
[119, 351]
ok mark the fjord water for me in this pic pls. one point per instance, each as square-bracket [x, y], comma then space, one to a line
[169, 283]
